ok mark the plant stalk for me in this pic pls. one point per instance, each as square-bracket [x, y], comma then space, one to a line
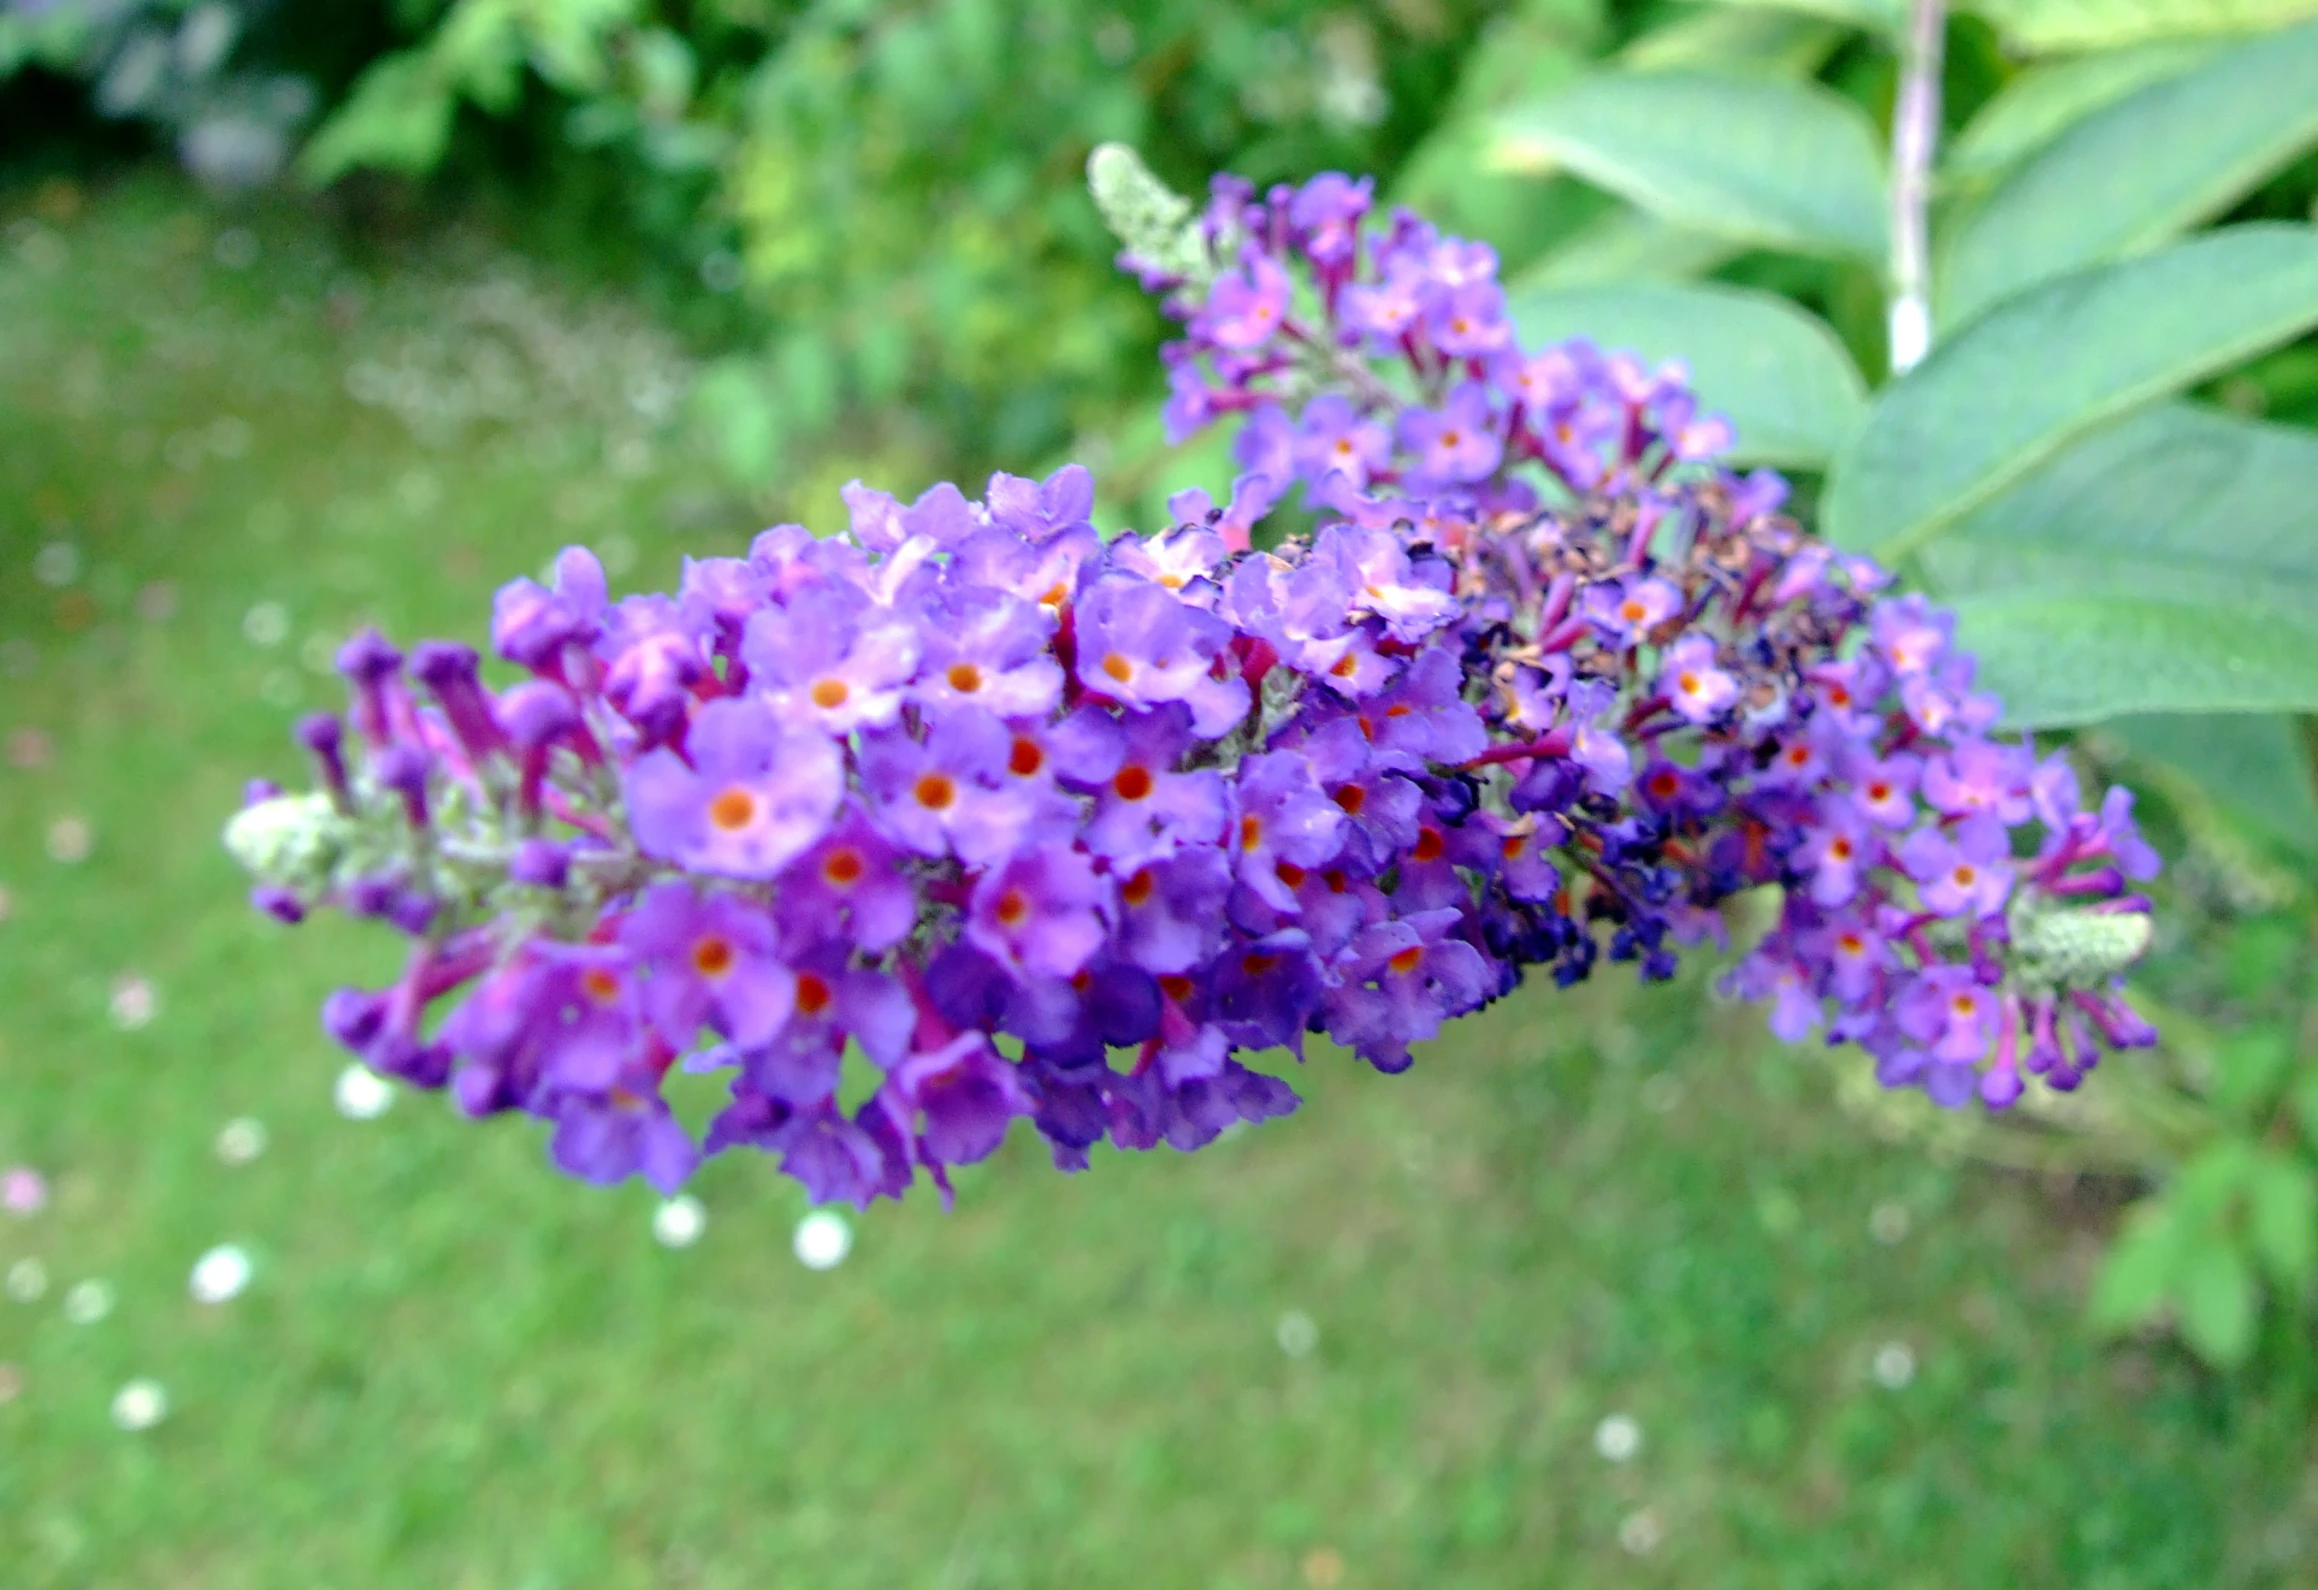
[1915, 136]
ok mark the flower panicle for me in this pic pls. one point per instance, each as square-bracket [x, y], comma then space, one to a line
[1051, 825]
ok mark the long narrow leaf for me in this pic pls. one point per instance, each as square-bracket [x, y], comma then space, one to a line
[2126, 178]
[2057, 362]
[1769, 163]
[2044, 101]
[2045, 27]
[2168, 563]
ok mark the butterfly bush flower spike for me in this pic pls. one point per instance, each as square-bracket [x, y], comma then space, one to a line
[1051, 827]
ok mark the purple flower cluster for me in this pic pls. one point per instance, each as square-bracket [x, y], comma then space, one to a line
[1948, 904]
[972, 813]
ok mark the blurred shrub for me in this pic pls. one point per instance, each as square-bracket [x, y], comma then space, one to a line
[895, 188]
[170, 62]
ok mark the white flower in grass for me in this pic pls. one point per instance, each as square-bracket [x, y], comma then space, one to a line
[1895, 1365]
[362, 1094]
[1297, 1333]
[1640, 1532]
[57, 564]
[679, 1222]
[134, 1002]
[140, 1405]
[823, 1239]
[241, 1140]
[70, 839]
[88, 1302]
[1618, 1437]
[28, 1280]
[265, 624]
[220, 1275]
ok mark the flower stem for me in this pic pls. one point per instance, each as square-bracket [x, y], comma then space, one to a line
[1915, 134]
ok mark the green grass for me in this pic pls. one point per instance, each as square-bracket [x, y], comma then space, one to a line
[457, 1369]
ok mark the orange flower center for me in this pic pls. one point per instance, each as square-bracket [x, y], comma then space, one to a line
[1118, 667]
[842, 868]
[964, 678]
[1251, 832]
[732, 809]
[1026, 758]
[1407, 960]
[1878, 791]
[1133, 783]
[1138, 888]
[1428, 846]
[830, 694]
[1351, 797]
[712, 955]
[1347, 665]
[1256, 962]
[1013, 907]
[1289, 873]
[813, 994]
[600, 984]
[1965, 875]
[1839, 848]
[1688, 684]
[1175, 986]
[936, 792]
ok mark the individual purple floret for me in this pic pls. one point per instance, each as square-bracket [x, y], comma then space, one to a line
[1039, 825]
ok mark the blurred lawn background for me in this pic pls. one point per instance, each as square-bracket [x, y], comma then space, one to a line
[1374, 1345]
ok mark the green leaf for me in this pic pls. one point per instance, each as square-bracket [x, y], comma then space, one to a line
[1778, 43]
[2126, 178]
[1875, 16]
[2042, 102]
[1785, 383]
[2209, 1186]
[1627, 245]
[2137, 1276]
[2054, 659]
[2282, 1219]
[398, 117]
[2040, 27]
[2160, 565]
[2017, 385]
[2252, 765]
[2217, 1300]
[1764, 162]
